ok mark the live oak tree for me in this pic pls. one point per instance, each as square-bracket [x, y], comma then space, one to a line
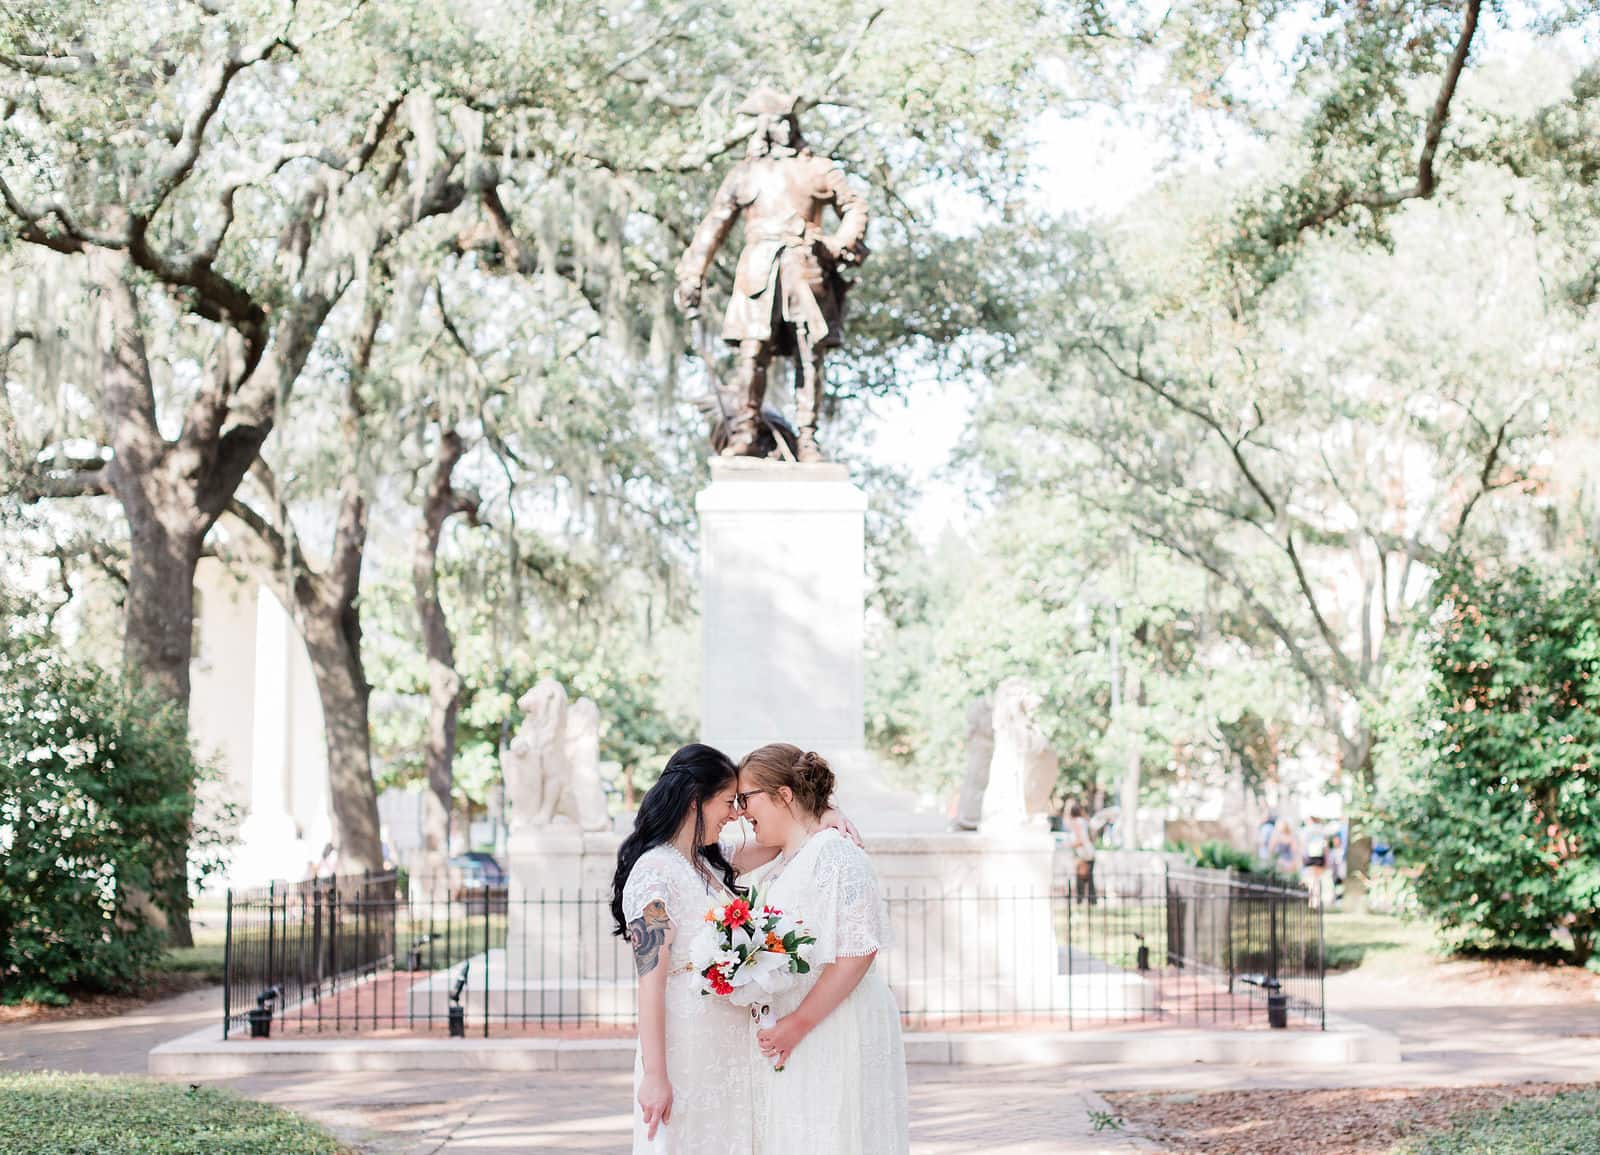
[1349, 359]
[212, 186]
[324, 602]
[1320, 461]
[1379, 107]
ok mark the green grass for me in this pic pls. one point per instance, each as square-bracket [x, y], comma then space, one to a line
[1110, 932]
[201, 960]
[204, 958]
[52, 1114]
[1376, 941]
[1567, 1124]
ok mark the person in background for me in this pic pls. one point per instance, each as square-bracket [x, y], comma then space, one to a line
[1284, 848]
[328, 864]
[1316, 860]
[1082, 843]
[1336, 861]
[1264, 838]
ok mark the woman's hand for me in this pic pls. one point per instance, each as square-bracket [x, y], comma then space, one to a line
[777, 1041]
[834, 819]
[655, 1099]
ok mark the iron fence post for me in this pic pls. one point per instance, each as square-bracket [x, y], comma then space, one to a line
[486, 905]
[1322, 975]
[272, 891]
[227, 965]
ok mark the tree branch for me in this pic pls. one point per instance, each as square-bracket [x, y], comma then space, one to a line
[842, 65]
[1280, 512]
[1485, 483]
[179, 163]
[36, 65]
[1426, 176]
[129, 391]
[63, 484]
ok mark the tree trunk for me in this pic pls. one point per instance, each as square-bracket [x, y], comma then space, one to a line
[444, 684]
[158, 641]
[331, 628]
[165, 530]
[327, 612]
[158, 613]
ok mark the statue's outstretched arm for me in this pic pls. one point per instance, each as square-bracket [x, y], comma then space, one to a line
[849, 239]
[707, 240]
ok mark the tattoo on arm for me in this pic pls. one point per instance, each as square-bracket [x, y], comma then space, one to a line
[647, 933]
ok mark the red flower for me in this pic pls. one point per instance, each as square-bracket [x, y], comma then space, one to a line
[719, 982]
[736, 914]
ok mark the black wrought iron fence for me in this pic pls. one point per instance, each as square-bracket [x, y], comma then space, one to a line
[1255, 936]
[290, 944]
[1168, 946]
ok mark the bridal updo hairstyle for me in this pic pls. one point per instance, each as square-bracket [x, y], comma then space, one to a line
[805, 772]
[692, 777]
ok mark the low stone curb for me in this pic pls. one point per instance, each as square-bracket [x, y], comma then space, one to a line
[204, 1052]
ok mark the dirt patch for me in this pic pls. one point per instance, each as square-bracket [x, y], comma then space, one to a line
[1359, 1121]
[163, 985]
[1463, 982]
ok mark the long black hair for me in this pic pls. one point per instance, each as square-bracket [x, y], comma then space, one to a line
[691, 778]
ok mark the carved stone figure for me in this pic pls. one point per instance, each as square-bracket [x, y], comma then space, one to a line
[1024, 768]
[788, 294]
[980, 751]
[583, 765]
[535, 766]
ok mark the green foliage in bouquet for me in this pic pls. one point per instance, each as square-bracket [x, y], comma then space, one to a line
[96, 777]
[1499, 801]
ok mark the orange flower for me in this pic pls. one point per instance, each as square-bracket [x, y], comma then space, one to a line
[774, 943]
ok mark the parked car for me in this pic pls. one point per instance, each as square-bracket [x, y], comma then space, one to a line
[478, 881]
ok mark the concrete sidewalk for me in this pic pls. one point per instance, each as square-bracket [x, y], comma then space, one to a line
[111, 1046]
[571, 1111]
[1022, 1110]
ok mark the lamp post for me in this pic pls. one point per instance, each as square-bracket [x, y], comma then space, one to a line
[1128, 819]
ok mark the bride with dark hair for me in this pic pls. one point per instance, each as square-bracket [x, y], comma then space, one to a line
[692, 1079]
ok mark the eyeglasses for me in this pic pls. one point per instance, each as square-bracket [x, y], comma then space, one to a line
[741, 800]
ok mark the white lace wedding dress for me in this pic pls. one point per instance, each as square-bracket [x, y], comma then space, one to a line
[843, 1091]
[708, 1039]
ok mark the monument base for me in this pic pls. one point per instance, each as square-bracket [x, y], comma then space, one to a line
[783, 594]
[557, 922]
[498, 990]
[270, 849]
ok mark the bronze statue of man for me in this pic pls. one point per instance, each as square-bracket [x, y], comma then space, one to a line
[788, 294]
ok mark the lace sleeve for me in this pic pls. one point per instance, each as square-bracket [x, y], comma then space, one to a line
[647, 883]
[857, 922]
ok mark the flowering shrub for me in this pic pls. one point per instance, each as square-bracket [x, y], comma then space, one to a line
[1497, 795]
[96, 781]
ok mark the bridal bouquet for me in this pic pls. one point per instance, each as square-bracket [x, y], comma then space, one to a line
[745, 952]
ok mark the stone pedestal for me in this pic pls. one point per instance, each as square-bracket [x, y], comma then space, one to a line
[973, 919]
[557, 926]
[783, 592]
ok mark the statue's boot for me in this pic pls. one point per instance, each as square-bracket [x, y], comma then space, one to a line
[806, 448]
[807, 396]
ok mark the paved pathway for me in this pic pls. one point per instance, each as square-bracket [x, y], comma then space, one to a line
[994, 1110]
[574, 1111]
[112, 1046]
